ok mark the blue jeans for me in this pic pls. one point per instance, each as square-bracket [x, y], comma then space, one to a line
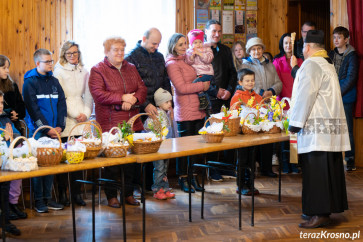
[348, 109]
[42, 187]
[160, 175]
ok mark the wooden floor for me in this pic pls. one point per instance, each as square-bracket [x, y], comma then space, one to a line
[168, 220]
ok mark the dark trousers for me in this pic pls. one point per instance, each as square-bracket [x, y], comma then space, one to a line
[114, 173]
[62, 181]
[187, 128]
[265, 157]
[4, 192]
[348, 109]
[246, 158]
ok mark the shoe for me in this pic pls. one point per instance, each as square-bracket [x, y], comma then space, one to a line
[215, 175]
[137, 192]
[12, 215]
[228, 174]
[351, 165]
[113, 203]
[269, 174]
[132, 201]
[12, 229]
[63, 199]
[315, 222]
[246, 191]
[305, 217]
[54, 206]
[40, 206]
[195, 184]
[160, 195]
[169, 194]
[183, 183]
[15, 209]
[203, 102]
[79, 201]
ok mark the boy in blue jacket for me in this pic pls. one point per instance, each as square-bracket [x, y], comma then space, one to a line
[46, 105]
[345, 60]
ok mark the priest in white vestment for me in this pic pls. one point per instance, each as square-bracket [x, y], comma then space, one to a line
[317, 115]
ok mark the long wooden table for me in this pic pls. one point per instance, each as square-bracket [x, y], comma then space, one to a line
[171, 148]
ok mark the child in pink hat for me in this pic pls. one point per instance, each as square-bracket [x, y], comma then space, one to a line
[200, 56]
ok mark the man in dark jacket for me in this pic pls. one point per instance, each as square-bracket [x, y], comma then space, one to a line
[308, 25]
[151, 66]
[225, 76]
[46, 105]
[345, 60]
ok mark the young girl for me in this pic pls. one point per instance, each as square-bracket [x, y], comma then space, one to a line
[246, 81]
[163, 101]
[200, 57]
[238, 53]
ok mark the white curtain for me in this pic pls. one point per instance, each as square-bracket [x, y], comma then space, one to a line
[95, 20]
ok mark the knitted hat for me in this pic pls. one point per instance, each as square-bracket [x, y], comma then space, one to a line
[195, 34]
[315, 36]
[252, 42]
[162, 96]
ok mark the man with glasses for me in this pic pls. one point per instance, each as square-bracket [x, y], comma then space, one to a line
[46, 105]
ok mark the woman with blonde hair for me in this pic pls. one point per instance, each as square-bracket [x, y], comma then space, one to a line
[73, 78]
[238, 53]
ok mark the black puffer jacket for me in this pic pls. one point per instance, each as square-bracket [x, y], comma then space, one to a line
[14, 101]
[151, 68]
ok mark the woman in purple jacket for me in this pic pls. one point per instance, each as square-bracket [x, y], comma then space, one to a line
[187, 114]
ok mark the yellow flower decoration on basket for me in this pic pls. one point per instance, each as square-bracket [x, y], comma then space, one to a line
[130, 139]
[165, 131]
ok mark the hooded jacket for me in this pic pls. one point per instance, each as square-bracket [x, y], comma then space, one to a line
[74, 81]
[44, 100]
[244, 96]
[266, 78]
[151, 67]
[348, 73]
[107, 85]
[185, 92]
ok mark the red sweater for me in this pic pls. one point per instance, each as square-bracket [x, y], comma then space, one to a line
[245, 96]
[107, 85]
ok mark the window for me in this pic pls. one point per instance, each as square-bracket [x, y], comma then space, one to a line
[95, 20]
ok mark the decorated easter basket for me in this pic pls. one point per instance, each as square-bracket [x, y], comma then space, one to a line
[272, 127]
[212, 137]
[93, 149]
[146, 147]
[233, 124]
[49, 156]
[250, 128]
[73, 157]
[28, 163]
[11, 140]
[117, 150]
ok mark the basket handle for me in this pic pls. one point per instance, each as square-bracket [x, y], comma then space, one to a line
[49, 127]
[110, 132]
[268, 98]
[236, 104]
[205, 123]
[13, 144]
[84, 123]
[256, 116]
[11, 136]
[156, 121]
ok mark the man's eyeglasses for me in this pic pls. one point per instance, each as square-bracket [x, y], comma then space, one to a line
[48, 62]
[69, 54]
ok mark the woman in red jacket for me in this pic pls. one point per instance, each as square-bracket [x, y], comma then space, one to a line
[186, 111]
[117, 90]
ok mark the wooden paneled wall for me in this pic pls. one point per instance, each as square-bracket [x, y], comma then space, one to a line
[271, 23]
[27, 25]
[184, 16]
[338, 16]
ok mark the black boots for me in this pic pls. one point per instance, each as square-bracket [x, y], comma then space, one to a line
[183, 182]
[63, 198]
[79, 201]
[195, 184]
[15, 212]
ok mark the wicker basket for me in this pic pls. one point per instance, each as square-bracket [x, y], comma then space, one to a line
[274, 129]
[212, 138]
[49, 156]
[74, 157]
[233, 124]
[141, 147]
[24, 165]
[115, 151]
[93, 150]
[245, 128]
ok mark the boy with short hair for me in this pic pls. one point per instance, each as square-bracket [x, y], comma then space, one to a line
[345, 60]
[46, 105]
